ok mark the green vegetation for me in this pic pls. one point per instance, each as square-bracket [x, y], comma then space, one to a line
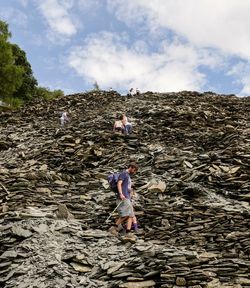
[45, 93]
[13, 102]
[28, 87]
[17, 83]
[11, 75]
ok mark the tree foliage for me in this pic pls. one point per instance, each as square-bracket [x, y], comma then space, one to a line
[28, 87]
[4, 30]
[11, 75]
[17, 83]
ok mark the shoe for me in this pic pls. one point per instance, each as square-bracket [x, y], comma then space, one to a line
[139, 232]
[121, 229]
[113, 231]
[129, 237]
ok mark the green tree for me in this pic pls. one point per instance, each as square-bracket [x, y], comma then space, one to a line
[4, 31]
[27, 90]
[17, 83]
[11, 75]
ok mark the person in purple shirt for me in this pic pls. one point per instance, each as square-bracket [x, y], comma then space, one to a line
[125, 208]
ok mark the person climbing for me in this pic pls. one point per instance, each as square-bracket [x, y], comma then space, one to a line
[118, 125]
[64, 118]
[122, 125]
[137, 92]
[130, 92]
[127, 127]
[125, 208]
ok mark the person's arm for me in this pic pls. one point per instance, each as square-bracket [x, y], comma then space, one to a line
[119, 187]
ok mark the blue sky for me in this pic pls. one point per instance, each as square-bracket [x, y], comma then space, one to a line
[156, 45]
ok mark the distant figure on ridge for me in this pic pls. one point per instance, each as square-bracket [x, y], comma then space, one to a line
[130, 92]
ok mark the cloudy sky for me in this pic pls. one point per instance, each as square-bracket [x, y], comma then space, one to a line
[156, 45]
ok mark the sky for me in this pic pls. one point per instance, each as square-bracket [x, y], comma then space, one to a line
[156, 45]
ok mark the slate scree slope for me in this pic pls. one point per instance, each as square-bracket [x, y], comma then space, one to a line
[192, 203]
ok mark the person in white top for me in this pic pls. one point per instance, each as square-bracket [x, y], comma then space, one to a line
[64, 118]
[131, 92]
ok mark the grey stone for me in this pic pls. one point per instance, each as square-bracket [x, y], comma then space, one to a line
[192, 189]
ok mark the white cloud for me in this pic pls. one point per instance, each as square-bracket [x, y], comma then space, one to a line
[246, 86]
[14, 16]
[24, 2]
[222, 24]
[241, 72]
[106, 58]
[58, 17]
[86, 5]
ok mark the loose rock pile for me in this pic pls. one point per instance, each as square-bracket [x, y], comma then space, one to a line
[193, 192]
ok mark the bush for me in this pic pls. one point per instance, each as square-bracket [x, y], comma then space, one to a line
[13, 102]
[45, 93]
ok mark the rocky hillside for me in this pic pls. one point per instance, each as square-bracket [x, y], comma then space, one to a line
[193, 192]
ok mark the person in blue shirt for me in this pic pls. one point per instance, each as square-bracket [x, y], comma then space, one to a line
[125, 208]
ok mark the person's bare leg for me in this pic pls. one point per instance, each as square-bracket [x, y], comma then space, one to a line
[121, 220]
[134, 220]
[129, 223]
